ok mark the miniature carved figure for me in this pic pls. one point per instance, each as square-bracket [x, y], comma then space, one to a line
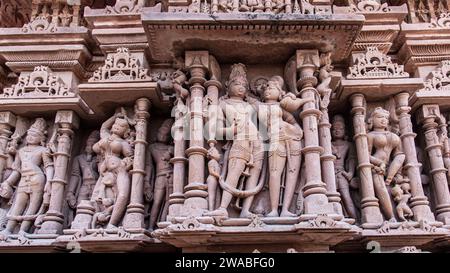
[383, 145]
[401, 196]
[214, 170]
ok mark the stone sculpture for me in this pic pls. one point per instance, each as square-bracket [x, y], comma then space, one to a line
[383, 145]
[32, 170]
[112, 190]
[345, 164]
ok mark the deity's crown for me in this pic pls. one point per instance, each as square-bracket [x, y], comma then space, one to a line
[167, 125]
[238, 75]
[38, 127]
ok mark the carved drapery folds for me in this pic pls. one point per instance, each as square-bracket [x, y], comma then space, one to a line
[374, 64]
[41, 83]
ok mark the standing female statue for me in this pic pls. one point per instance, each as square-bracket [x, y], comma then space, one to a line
[112, 189]
[383, 145]
[285, 137]
[245, 157]
[32, 168]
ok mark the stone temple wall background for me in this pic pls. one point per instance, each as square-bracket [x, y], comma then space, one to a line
[224, 125]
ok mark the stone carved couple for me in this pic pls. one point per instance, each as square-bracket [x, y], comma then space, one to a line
[245, 159]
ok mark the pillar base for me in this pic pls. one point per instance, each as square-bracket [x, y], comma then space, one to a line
[134, 217]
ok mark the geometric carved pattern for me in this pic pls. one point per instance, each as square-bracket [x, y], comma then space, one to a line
[439, 79]
[39, 83]
[374, 64]
[120, 66]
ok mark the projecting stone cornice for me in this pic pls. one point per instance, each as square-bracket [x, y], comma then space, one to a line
[250, 37]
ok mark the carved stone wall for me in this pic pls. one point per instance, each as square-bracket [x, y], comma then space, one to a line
[136, 125]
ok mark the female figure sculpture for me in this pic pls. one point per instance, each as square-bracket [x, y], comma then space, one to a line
[112, 189]
[345, 163]
[285, 146]
[245, 157]
[32, 168]
[383, 145]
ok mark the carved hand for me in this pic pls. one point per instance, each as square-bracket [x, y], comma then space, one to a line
[71, 200]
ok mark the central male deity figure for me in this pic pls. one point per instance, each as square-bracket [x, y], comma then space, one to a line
[245, 157]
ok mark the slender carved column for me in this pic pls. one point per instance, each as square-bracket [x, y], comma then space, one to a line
[418, 202]
[65, 121]
[195, 191]
[370, 209]
[327, 160]
[316, 201]
[7, 121]
[135, 210]
[427, 116]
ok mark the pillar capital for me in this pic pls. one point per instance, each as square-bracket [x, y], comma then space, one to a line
[428, 113]
[8, 118]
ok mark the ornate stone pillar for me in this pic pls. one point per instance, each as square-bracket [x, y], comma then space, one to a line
[176, 198]
[316, 201]
[370, 209]
[418, 202]
[7, 122]
[427, 117]
[135, 210]
[195, 192]
[327, 160]
[65, 122]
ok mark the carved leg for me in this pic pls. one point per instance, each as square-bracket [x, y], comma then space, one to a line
[19, 205]
[344, 190]
[212, 188]
[291, 183]
[123, 188]
[33, 208]
[158, 197]
[252, 181]
[235, 169]
[383, 197]
[276, 167]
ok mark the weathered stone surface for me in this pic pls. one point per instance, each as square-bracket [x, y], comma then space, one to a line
[224, 126]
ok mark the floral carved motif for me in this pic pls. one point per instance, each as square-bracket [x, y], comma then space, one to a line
[373, 64]
[120, 66]
[442, 22]
[42, 82]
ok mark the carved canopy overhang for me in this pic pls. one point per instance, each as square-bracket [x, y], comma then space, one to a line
[424, 44]
[249, 37]
[375, 75]
[381, 26]
[111, 30]
[436, 88]
[65, 49]
[43, 92]
[121, 80]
